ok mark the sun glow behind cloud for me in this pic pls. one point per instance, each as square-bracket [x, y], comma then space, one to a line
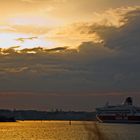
[9, 40]
[35, 21]
[43, 28]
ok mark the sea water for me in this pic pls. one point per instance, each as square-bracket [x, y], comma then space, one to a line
[63, 130]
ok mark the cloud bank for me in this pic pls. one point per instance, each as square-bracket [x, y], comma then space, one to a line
[64, 75]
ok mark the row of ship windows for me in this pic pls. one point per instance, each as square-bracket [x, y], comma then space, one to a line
[115, 111]
[119, 110]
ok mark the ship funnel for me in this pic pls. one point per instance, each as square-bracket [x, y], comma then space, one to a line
[128, 101]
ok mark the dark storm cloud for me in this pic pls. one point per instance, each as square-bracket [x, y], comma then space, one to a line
[119, 71]
[127, 37]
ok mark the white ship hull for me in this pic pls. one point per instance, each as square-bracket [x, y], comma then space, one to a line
[114, 119]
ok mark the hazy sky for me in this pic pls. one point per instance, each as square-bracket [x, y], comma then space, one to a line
[69, 54]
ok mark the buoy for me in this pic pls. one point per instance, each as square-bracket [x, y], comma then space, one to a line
[69, 122]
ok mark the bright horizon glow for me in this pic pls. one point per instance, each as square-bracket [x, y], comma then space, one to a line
[9, 40]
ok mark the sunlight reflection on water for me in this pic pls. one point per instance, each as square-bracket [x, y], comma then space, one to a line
[61, 130]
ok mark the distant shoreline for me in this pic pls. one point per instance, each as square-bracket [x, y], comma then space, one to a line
[44, 115]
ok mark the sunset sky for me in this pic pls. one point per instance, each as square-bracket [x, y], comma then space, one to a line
[69, 54]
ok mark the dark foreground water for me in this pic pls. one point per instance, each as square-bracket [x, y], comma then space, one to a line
[61, 130]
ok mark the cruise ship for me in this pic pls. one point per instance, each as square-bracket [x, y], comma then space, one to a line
[124, 113]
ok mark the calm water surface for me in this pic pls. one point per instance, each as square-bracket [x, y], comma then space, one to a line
[61, 130]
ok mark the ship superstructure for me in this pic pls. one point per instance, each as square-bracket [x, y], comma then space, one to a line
[124, 113]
